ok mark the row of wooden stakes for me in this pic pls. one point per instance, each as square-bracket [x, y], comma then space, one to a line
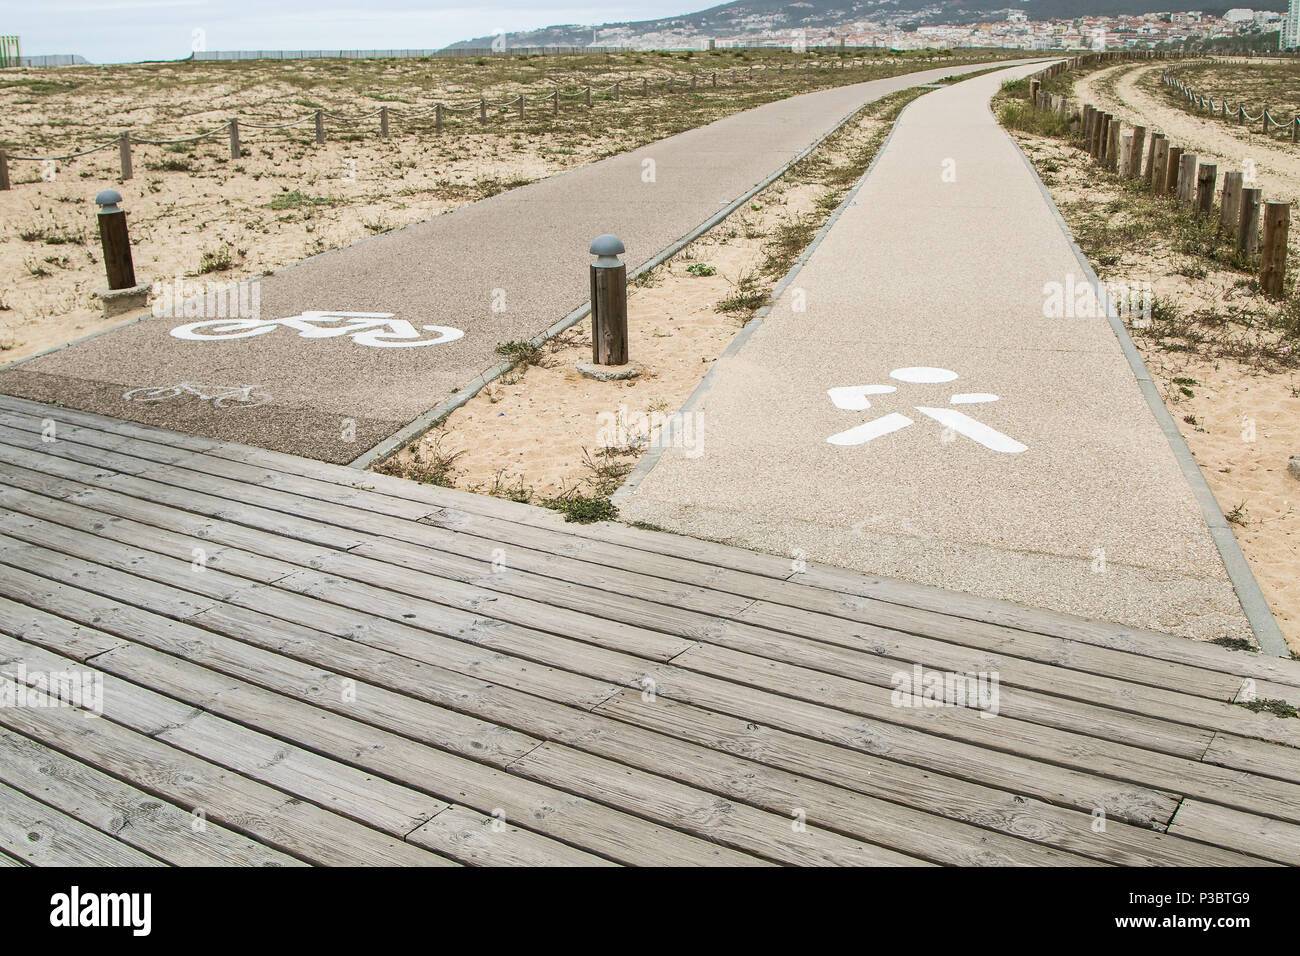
[1170, 170]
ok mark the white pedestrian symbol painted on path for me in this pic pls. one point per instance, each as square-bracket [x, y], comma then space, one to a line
[854, 398]
[375, 329]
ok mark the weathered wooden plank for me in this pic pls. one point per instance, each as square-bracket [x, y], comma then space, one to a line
[1119, 761]
[1248, 832]
[1002, 810]
[1074, 715]
[367, 497]
[109, 517]
[484, 840]
[573, 819]
[267, 815]
[988, 766]
[735, 824]
[125, 812]
[705, 769]
[43, 836]
[1254, 756]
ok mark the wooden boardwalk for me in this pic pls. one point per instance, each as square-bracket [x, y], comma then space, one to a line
[306, 664]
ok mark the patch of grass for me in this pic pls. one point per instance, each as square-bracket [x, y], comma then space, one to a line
[520, 354]
[1270, 705]
[172, 164]
[1239, 515]
[748, 298]
[296, 199]
[1020, 115]
[216, 260]
[580, 508]
[1235, 644]
[701, 269]
[429, 464]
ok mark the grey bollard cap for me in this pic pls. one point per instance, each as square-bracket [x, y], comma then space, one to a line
[107, 200]
[607, 249]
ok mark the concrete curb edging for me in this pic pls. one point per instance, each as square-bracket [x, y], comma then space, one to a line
[1253, 604]
[429, 419]
[653, 454]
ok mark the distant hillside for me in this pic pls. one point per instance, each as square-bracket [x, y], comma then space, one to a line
[753, 16]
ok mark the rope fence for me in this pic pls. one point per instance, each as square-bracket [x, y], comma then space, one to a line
[1258, 229]
[1267, 121]
[385, 114]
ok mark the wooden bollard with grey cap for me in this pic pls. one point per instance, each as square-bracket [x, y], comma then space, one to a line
[608, 302]
[122, 295]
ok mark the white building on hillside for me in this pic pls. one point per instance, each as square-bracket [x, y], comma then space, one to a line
[1287, 40]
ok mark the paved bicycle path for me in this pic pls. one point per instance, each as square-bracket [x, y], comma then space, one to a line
[972, 444]
[524, 251]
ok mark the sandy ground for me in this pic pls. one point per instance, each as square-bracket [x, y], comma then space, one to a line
[547, 429]
[1276, 164]
[1242, 420]
[199, 215]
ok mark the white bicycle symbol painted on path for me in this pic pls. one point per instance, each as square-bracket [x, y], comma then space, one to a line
[375, 329]
[221, 396]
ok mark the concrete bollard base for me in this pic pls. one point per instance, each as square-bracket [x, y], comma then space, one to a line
[611, 373]
[120, 301]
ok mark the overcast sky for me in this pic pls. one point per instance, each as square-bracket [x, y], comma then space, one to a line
[107, 31]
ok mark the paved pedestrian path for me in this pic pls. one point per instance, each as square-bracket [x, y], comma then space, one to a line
[921, 418]
[436, 298]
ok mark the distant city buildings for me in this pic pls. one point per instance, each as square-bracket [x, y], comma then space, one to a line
[1290, 37]
[1016, 31]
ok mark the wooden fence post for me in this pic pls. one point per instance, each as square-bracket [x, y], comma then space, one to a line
[1272, 265]
[437, 117]
[617, 93]
[1112, 147]
[1156, 140]
[1230, 203]
[1205, 180]
[521, 106]
[1171, 170]
[383, 122]
[124, 148]
[482, 109]
[320, 126]
[645, 86]
[588, 92]
[1295, 129]
[234, 139]
[1160, 169]
[1248, 223]
[4, 170]
[1186, 188]
[1135, 152]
